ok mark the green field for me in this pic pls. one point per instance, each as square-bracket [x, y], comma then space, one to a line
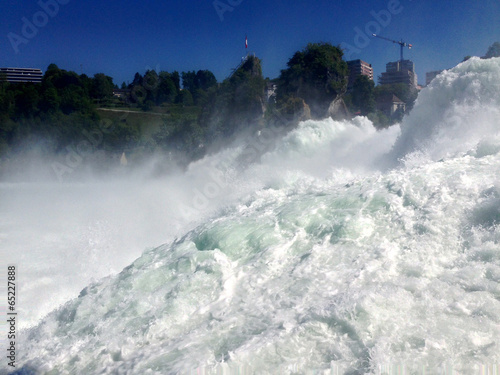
[149, 122]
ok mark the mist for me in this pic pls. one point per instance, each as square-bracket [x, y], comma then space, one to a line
[70, 219]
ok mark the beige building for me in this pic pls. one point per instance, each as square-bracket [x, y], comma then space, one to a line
[391, 105]
[358, 68]
[399, 72]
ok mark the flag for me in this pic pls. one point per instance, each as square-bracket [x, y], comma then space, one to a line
[246, 42]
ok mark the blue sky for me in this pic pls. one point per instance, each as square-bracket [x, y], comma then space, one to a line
[120, 38]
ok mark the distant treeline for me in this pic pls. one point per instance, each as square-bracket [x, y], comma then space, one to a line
[53, 115]
[154, 89]
[54, 111]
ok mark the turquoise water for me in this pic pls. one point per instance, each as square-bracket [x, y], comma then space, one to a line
[343, 250]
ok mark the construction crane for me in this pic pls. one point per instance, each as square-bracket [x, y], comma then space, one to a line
[401, 43]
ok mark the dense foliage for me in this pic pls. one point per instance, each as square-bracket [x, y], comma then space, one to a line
[155, 112]
[365, 99]
[363, 96]
[57, 113]
[153, 89]
[404, 92]
[52, 113]
[198, 84]
[493, 51]
[238, 104]
[317, 75]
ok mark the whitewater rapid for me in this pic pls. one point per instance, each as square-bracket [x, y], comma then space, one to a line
[340, 250]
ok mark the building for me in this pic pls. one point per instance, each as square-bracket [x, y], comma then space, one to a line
[358, 68]
[22, 75]
[402, 71]
[431, 75]
[401, 65]
[121, 93]
[391, 105]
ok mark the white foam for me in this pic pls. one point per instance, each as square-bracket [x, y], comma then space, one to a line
[314, 258]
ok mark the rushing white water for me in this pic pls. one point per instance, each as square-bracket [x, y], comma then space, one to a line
[327, 255]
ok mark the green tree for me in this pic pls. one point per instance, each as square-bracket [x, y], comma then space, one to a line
[124, 136]
[52, 67]
[493, 51]
[3, 90]
[137, 81]
[151, 82]
[198, 83]
[56, 111]
[102, 87]
[379, 119]
[205, 79]
[27, 100]
[237, 104]
[363, 97]
[72, 92]
[189, 81]
[404, 92]
[86, 83]
[60, 78]
[167, 90]
[73, 99]
[8, 104]
[50, 100]
[185, 98]
[147, 105]
[176, 79]
[317, 74]
[3, 82]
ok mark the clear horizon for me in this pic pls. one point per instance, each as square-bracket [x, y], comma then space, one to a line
[120, 39]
